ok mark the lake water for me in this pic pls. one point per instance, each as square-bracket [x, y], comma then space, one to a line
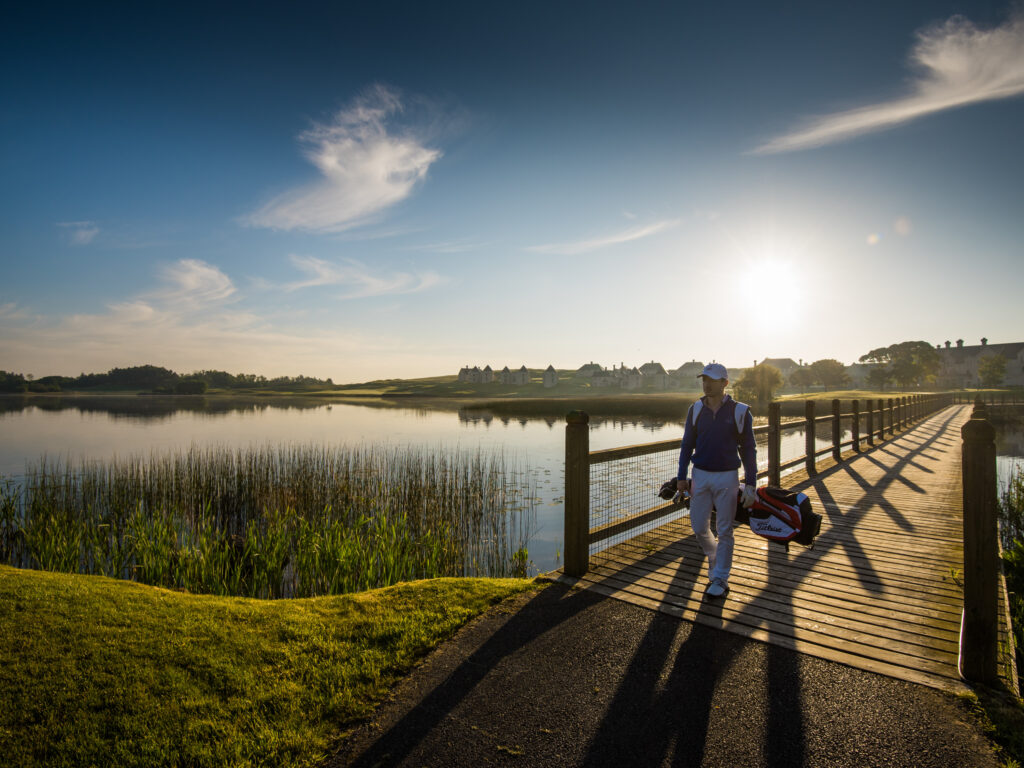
[76, 429]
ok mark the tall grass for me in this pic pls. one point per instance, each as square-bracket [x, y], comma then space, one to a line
[290, 521]
[1011, 529]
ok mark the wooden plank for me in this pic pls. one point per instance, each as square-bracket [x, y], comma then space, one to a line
[828, 594]
[944, 665]
[841, 568]
[793, 605]
[793, 579]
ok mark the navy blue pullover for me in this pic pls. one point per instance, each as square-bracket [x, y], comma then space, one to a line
[715, 445]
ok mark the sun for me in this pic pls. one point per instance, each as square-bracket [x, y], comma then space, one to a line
[773, 292]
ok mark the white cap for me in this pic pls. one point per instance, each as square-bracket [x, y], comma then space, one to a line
[714, 371]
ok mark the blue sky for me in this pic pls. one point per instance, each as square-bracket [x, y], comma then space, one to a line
[380, 190]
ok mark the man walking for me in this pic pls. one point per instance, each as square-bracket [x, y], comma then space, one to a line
[719, 431]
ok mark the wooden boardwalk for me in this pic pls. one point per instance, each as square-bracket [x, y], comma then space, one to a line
[879, 590]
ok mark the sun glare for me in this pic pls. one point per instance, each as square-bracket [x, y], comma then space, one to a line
[777, 286]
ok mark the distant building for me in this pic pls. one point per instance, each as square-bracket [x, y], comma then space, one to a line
[685, 376]
[655, 374]
[514, 378]
[470, 375]
[786, 365]
[633, 379]
[958, 366]
[550, 376]
[475, 375]
[589, 370]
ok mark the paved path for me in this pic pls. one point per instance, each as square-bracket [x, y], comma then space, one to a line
[565, 677]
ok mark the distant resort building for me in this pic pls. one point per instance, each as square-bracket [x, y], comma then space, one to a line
[550, 376]
[476, 375]
[959, 364]
[522, 376]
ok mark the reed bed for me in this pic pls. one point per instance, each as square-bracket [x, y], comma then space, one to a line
[288, 521]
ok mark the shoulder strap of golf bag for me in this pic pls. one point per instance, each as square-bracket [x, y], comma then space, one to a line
[739, 415]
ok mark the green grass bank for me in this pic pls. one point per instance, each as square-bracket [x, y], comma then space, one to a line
[103, 672]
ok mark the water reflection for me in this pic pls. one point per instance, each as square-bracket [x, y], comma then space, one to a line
[152, 408]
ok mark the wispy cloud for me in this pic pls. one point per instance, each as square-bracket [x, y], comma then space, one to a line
[80, 232]
[365, 164]
[358, 278]
[449, 246]
[582, 246]
[10, 311]
[958, 63]
[193, 282]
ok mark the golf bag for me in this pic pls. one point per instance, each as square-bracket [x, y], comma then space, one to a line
[781, 516]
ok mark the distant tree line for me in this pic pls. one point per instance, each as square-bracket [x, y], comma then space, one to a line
[158, 380]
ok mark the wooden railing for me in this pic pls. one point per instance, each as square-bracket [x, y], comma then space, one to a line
[979, 636]
[879, 417]
[989, 399]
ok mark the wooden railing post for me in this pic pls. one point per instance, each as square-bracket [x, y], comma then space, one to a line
[881, 419]
[837, 431]
[892, 415]
[869, 427]
[809, 435]
[774, 443]
[855, 425]
[577, 493]
[979, 645]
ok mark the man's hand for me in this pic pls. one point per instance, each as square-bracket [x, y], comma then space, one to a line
[749, 496]
[683, 486]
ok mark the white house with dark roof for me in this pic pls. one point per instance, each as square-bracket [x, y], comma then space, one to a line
[550, 376]
[655, 375]
[470, 375]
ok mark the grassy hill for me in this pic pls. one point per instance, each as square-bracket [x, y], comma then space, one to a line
[103, 672]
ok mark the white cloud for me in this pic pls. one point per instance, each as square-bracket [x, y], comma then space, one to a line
[365, 169]
[358, 278]
[958, 65]
[80, 232]
[191, 282]
[582, 246]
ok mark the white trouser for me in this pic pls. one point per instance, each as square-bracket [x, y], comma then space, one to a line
[718, 490]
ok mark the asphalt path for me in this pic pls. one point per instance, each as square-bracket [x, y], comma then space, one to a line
[562, 677]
